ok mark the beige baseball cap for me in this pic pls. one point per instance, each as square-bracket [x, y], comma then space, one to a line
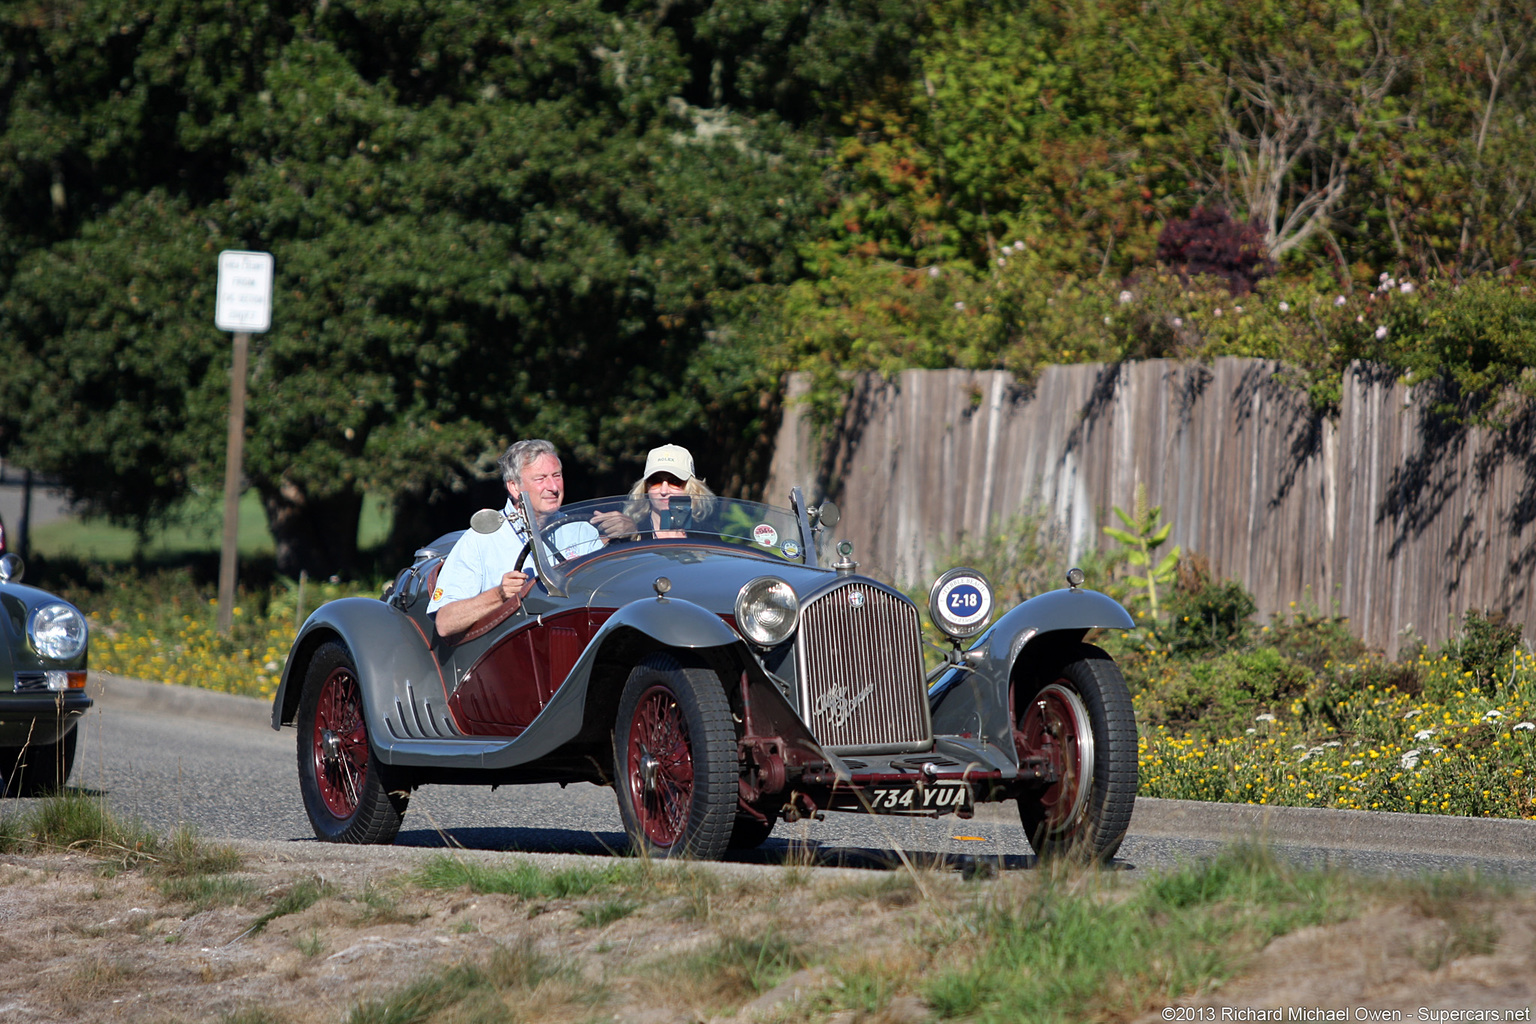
[669, 458]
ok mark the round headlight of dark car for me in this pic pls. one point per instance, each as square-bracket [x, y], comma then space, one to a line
[960, 603]
[57, 631]
[766, 610]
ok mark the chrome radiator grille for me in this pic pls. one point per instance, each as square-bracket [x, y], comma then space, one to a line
[861, 671]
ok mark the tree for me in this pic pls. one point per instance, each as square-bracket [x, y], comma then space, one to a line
[489, 221]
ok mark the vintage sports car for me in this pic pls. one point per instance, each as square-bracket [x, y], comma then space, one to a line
[721, 678]
[44, 652]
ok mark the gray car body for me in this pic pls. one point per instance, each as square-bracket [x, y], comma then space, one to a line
[407, 673]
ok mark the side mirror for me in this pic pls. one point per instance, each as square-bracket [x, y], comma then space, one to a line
[11, 568]
[487, 520]
[826, 514]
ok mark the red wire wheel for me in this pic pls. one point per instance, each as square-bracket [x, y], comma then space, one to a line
[674, 758]
[339, 743]
[346, 794]
[1056, 725]
[660, 767]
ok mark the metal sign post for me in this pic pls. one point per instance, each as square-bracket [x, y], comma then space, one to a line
[244, 306]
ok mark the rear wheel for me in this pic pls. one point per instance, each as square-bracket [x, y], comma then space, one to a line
[341, 779]
[674, 751]
[37, 768]
[1078, 716]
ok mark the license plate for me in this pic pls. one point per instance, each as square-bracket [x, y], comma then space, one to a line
[936, 796]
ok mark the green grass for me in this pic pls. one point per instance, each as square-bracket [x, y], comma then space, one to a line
[1064, 953]
[76, 821]
[199, 529]
[525, 880]
[472, 993]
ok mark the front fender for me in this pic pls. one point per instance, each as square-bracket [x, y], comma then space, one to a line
[392, 656]
[973, 698]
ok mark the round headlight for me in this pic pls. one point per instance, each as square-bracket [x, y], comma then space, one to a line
[766, 610]
[57, 631]
[960, 603]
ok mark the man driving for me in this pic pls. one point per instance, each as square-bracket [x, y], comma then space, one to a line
[478, 574]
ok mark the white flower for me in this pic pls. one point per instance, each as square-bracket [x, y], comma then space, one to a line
[960, 305]
[1238, 310]
[1250, 732]
[1125, 297]
[1002, 262]
[1406, 287]
[1523, 727]
[933, 271]
[1415, 713]
[1423, 734]
[1381, 332]
[1178, 321]
[1285, 307]
[1353, 763]
[1360, 319]
[1218, 312]
[1299, 746]
[1493, 713]
[1106, 321]
[1333, 743]
[1410, 758]
[1018, 245]
[1265, 717]
[1384, 276]
[1339, 301]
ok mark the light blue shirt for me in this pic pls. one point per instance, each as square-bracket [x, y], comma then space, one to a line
[479, 560]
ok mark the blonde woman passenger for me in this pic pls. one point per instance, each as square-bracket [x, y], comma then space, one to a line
[668, 474]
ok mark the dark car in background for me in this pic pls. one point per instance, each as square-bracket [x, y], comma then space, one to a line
[721, 678]
[43, 656]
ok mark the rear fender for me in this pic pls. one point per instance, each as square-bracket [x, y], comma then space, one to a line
[394, 662]
[974, 698]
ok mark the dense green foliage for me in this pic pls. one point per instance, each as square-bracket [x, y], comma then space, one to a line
[614, 223]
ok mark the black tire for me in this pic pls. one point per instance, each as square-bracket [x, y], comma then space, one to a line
[37, 768]
[747, 833]
[674, 757]
[345, 787]
[1083, 697]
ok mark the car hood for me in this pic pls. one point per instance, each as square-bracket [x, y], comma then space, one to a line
[704, 576]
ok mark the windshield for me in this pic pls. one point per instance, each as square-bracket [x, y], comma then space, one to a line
[585, 530]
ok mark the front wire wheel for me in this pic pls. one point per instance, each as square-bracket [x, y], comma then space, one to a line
[1079, 717]
[674, 749]
[341, 780]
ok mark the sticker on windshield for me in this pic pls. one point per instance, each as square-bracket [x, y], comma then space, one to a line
[791, 549]
[765, 535]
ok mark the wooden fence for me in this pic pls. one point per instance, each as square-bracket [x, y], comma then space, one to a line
[1392, 516]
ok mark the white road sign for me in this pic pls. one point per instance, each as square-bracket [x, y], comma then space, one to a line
[245, 292]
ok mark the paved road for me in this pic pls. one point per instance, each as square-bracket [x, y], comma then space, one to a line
[169, 755]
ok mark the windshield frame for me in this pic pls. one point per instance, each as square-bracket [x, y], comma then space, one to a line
[743, 528]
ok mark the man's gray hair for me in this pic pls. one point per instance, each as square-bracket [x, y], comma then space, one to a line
[514, 462]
